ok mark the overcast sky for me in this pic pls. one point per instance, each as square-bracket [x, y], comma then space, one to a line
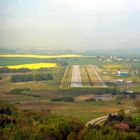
[81, 24]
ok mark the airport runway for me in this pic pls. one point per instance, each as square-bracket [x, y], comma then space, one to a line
[76, 77]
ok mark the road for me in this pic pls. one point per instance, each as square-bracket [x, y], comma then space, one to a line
[104, 118]
[76, 77]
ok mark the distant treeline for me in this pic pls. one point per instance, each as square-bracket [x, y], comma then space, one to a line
[20, 70]
[31, 77]
[7, 70]
[63, 99]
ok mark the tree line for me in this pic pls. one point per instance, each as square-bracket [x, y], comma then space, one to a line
[7, 70]
[31, 77]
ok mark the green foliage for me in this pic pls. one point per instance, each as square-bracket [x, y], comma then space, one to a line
[7, 70]
[72, 136]
[121, 113]
[137, 105]
[6, 109]
[21, 78]
[42, 125]
[63, 99]
[31, 77]
[136, 119]
[90, 100]
[42, 76]
[19, 90]
[119, 99]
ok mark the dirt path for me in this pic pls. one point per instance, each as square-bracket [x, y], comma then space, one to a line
[76, 77]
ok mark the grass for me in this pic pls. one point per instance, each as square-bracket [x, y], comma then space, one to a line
[92, 75]
[114, 67]
[108, 72]
[5, 61]
[66, 80]
[47, 90]
[81, 110]
[84, 76]
[33, 66]
[57, 73]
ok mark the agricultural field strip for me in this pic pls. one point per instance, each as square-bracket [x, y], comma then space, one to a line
[32, 66]
[133, 71]
[90, 80]
[98, 76]
[40, 56]
[66, 80]
[76, 77]
[90, 75]
[64, 77]
[86, 82]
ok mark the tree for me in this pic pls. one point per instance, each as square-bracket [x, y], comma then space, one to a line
[121, 115]
[72, 136]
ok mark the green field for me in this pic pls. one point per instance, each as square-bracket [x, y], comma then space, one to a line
[16, 61]
[41, 92]
[71, 61]
[84, 111]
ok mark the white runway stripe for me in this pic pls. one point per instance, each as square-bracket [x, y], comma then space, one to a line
[76, 77]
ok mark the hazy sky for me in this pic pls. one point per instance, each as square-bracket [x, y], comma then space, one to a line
[70, 23]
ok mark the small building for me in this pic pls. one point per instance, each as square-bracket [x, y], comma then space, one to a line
[122, 74]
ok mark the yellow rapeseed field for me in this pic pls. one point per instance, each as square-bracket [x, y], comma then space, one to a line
[34, 66]
[113, 66]
[40, 56]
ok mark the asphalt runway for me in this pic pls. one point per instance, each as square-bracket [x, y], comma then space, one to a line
[76, 77]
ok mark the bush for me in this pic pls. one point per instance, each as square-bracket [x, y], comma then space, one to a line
[90, 100]
[19, 90]
[31, 77]
[72, 136]
[5, 109]
[21, 78]
[42, 76]
[7, 70]
[63, 99]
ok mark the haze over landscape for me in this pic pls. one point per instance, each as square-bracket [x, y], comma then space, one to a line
[74, 24]
[69, 70]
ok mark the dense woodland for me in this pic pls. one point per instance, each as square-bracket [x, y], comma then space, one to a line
[31, 77]
[7, 70]
[44, 125]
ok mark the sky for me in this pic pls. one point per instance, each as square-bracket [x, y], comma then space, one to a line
[70, 24]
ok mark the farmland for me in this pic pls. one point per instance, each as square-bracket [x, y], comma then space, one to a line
[38, 56]
[33, 66]
[93, 76]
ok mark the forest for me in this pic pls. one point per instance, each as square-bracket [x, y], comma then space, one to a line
[18, 124]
